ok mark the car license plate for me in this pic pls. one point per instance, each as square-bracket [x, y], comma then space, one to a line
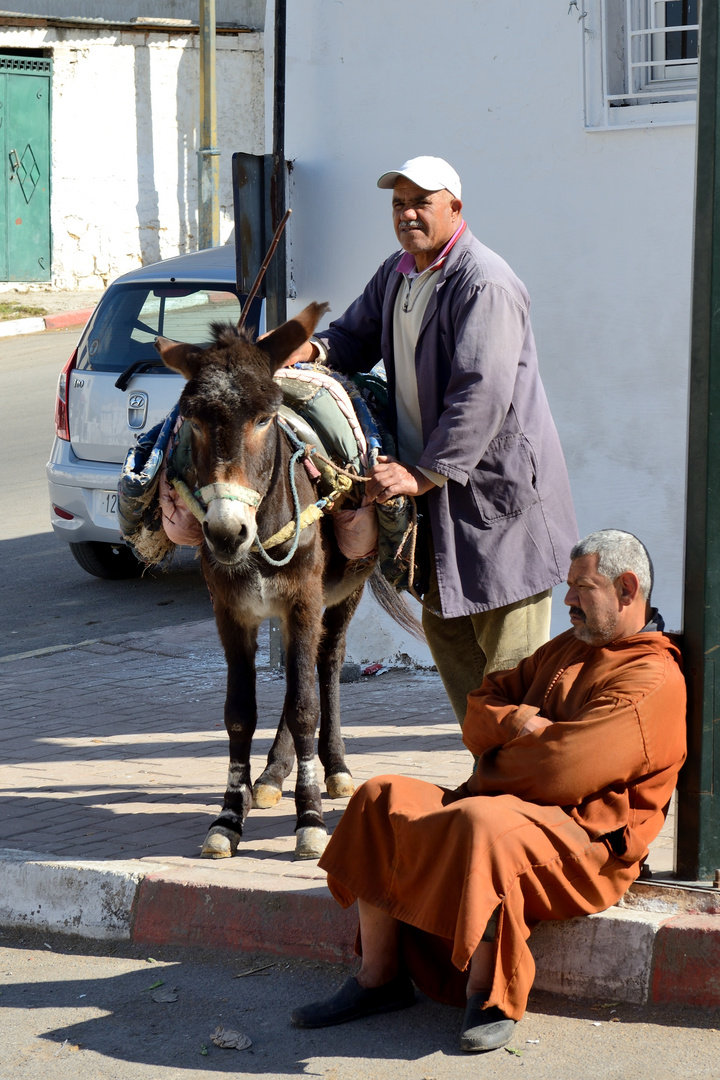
[106, 505]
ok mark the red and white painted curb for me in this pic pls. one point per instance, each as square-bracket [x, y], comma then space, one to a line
[37, 325]
[624, 954]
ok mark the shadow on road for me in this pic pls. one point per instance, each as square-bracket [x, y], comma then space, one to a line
[85, 1011]
[46, 599]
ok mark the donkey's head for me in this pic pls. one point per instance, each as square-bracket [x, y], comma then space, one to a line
[231, 402]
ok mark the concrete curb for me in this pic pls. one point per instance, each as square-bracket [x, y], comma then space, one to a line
[63, 321]
[625, 954]
[197, 906]
[686, 964]
[13, 327]
[67, 319]
[68, 896]
[608, 956]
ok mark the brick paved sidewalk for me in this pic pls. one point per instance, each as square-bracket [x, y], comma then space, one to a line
[117, 750]
[113, 765]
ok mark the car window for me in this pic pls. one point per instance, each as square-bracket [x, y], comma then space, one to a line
[125, 324]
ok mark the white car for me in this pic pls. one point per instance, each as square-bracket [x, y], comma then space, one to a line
[115, 387]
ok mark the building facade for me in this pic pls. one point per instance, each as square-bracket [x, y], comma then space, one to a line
[101, 135]
[571, 124]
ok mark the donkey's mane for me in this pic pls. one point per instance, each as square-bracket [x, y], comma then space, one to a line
[226, 333]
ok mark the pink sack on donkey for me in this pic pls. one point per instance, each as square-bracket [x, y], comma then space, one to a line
[356, 531]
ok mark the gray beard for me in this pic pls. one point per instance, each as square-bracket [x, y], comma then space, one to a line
[602, 634]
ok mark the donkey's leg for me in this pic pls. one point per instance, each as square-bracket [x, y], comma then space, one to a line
[302, 634]
[240, 643]
[267, 789]
[331, 748]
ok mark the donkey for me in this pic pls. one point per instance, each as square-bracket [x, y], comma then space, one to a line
[244, 472]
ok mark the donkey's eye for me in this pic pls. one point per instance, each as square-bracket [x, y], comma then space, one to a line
[265, 422]
[194, 426]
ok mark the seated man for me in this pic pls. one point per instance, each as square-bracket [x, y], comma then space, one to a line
[578, 749]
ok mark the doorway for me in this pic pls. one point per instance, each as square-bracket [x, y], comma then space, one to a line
[25, 172]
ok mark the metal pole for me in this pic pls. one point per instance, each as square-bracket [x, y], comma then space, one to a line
[276, 288]
[208, 154]
[698, 832]
[277, 194]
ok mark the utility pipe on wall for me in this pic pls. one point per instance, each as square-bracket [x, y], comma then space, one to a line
[208, 154]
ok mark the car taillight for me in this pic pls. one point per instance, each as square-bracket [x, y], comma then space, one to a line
[62, 424]
[64, 514]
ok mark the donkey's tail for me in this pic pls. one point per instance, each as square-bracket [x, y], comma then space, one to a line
[393, 602]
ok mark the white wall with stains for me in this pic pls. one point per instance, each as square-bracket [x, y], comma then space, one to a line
[125, 130]
[250, 13]
[597, 224]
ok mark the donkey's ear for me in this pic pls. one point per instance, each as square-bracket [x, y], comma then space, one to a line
[280, 343]
[183, 358]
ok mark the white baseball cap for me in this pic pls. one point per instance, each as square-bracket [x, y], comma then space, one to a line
[429, 173]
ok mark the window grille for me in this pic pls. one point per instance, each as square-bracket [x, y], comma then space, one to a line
[641, 62]
[25, 64]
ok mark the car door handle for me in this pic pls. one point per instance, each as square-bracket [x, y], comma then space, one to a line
[14, 165]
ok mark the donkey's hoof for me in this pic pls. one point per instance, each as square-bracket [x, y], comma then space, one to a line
[310, 842]
[219, 843]
[265, 796]
[340, 786]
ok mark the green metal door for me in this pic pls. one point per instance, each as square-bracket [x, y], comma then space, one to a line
[24, 168]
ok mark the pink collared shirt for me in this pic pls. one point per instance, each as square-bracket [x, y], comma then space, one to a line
[407, 266]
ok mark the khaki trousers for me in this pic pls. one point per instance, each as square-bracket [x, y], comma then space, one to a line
[468, 647]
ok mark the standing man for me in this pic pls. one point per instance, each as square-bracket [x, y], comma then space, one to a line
[473, 428]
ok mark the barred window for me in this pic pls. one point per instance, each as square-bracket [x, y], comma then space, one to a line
[641, 62]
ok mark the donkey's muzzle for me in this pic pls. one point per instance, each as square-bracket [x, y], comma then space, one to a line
[226, 544]
[229, 524]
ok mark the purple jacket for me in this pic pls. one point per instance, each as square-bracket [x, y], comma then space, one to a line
[504, 523]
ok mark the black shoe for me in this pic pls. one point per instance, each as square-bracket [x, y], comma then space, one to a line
[352, 1001]
[484, 1029]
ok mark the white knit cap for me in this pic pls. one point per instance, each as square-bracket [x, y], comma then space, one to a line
[429, 173]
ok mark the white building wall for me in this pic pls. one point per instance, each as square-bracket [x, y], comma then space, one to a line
[598, 225]
[246, 13]
[125, 127]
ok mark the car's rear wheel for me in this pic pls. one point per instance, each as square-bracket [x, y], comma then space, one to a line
[110, 561]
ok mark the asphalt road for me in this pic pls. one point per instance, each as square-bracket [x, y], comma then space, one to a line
[46, 600]
[74, 1010]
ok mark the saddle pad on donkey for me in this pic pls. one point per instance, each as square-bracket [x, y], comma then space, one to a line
[320, 399]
